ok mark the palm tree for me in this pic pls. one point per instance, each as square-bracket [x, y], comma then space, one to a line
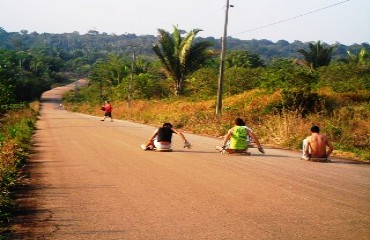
[180, 56]
[360, 58]
[317, 56]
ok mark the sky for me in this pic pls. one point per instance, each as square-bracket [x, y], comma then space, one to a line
[331, 21]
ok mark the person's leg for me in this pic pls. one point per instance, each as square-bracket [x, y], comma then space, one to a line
[304, 144]
[160, 145]
[148, 146]
[241, 151]
[230, 151]
[105, 115]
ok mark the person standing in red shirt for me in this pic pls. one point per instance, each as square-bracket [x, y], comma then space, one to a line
[107, 108]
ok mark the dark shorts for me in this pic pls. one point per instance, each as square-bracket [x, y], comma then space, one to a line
[108, 114]
[318, 156]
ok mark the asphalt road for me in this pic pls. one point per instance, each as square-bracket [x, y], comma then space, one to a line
[90, 180]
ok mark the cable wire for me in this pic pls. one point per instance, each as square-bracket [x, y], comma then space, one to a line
[288, 19]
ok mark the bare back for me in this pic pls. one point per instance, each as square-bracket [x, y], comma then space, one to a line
[317, 143]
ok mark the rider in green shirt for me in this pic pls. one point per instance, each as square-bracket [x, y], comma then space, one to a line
[238, 137]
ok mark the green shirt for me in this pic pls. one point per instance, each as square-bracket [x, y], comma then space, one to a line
[238, 139]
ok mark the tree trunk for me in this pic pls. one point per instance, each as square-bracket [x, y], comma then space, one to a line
[179, 87]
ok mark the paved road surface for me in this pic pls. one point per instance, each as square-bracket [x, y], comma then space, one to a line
[90, 180]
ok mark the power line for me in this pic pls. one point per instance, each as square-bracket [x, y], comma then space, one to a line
[288, 19]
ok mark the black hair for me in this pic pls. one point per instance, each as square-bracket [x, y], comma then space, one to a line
[315, 129]
[167, 125]
[239, 122]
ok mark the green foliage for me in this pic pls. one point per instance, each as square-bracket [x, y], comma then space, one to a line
[92, 94]
[17, 128]
[143, 86]
[361, 58]
[350, 130]
[180, 56]
[239, 79]
[301, 101]
[202, 84]
[110, 72]
[243, 59]
[119, 79]
[21, 79]
[290, 77]
[298, 86]
[345, 77]
[317, 55]
[6, 96]
[89, 47]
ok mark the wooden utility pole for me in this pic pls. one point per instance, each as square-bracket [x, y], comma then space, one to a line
[132, 78]
[222, 63]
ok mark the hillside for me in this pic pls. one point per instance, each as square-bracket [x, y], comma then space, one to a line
[95, 43]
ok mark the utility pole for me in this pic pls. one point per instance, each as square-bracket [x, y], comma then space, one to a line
[222, 63]
[132, 78]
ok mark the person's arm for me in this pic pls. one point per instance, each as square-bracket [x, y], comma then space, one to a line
[154, 135]
[180, 134]
[151, 139]
[227, 137]
[307, 147]
[186, 143]
[330, 145]
[255, 139]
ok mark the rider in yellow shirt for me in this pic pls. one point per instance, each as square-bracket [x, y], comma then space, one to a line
[238, 137]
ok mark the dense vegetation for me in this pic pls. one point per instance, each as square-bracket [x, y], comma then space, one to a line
[79, 50]
[279, 88]
[17, 127]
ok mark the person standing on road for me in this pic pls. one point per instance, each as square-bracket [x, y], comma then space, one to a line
[314, 146]
[162, 137]
[107, 108]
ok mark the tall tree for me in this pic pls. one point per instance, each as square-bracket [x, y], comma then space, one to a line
[318, 55]
[180, 56]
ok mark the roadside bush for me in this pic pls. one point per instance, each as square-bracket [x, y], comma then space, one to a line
[238, 80]
[17, 128]
[345, 78]
[202, 84]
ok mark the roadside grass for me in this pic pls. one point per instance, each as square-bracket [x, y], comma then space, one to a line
[17, 127]
[343, 117]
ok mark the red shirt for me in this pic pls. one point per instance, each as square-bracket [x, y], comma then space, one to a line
[108, 107]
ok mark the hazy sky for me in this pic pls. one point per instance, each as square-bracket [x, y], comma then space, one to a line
[347, 22]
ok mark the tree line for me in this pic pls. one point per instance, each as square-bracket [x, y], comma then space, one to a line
[94, 44]
[172, 63]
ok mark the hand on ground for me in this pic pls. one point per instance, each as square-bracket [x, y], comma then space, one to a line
[261, 150]
[187, 144]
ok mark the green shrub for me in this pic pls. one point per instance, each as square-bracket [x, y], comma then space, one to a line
[15, 136]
